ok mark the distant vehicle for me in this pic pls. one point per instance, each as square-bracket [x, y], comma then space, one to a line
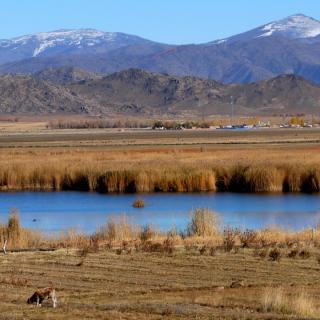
[236, 127]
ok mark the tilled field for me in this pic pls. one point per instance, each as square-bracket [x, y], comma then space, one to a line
[144, 138]
[184, 285]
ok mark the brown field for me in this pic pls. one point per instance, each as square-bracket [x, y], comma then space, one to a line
[123, 272]
[126, 273]
[176, 161]
[157, 286]
[138, 138]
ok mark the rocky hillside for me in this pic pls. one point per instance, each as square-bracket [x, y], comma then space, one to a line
[142, 93]
[26, 94]
[65, 75]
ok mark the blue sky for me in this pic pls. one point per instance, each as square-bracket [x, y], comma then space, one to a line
[170, 21]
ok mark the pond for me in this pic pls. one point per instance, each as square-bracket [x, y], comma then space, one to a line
[58, 211]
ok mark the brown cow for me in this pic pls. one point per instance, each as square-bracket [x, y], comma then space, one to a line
[40, 295]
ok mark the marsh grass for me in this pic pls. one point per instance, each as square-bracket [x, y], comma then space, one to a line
[117, 229]
[138, 203]
[16, 236]
[204, 223]
[300, 304]
[251, 178]
[203, 234]
[182, 171]
[310, 180]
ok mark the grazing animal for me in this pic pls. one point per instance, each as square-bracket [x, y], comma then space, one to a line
[237, 284]
[40, 295]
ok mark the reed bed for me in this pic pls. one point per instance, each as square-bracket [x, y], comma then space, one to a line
[161, 170]
[204, 234]
[15, 236]
[99, 173]
[279, 301]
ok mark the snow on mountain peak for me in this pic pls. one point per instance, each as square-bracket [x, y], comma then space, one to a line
[80, 37]
[296, 26]
[76, 38]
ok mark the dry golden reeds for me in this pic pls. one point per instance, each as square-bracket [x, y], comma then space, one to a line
[204, 223]
[154, 171]
[138, 203]
[202, 234]
[300, 304]
[17, 237]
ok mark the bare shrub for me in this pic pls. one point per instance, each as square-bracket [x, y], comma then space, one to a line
[248, 238]
[84, 251]
[189, 247]
[117, 229]
[14, 228]
[270, 237]
[212, 251]
[147, 233]
[229, 239]
[168, 245]
[18, 237]
[304, 254]
[95, 241]
[139, 203]
[293, 253]
[110, 230]
[275, 254]
[204, 223]
[262, 253]
[203, 250]
[149, 246]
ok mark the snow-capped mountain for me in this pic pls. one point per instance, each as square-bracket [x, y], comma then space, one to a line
[287, 46]
[297, 26]
[86, 41]
[294, 27]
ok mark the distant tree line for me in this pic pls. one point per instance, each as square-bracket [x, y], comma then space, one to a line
[96, 124]
[175, 125]
[104, 124]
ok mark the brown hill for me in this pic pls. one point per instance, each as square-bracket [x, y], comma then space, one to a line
[141, 93]
[26, 94]
[65, 75]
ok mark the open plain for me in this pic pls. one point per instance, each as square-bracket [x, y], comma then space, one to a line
[189, 282]
[112, 160]
[106, 285]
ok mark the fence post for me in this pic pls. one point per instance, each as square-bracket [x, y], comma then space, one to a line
[4, 247]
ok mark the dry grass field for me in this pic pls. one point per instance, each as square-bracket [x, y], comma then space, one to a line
[139, 138]
[107, 285]
[271, 274]
[147, 161]
[126, 273]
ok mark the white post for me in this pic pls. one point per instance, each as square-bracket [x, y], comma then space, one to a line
[313, 234]
[4, 247]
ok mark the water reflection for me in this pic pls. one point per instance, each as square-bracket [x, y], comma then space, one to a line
[86, 211]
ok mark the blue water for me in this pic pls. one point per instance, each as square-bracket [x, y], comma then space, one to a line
[52, 212]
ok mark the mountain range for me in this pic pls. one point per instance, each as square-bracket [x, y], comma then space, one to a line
[287, 46]
[273, 69]
[146, 94]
